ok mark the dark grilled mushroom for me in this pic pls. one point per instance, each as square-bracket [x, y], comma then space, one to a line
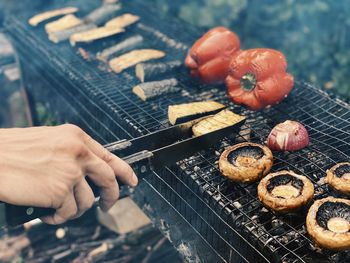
[339, 177]
[328, 223]
[285, 191]
[246, 162]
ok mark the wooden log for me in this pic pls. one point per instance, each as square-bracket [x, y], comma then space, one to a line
[148, 90]
[151, 71]
[124, 46]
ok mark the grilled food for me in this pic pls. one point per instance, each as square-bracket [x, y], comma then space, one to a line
[124, 46]
[62, 35]
[246, 162]
[134, 57]
[94, 34]
[122, 21]
[223, 119]
[189, 111]
[151, 71]
[103, 13]
[338, 177]
[68, 21]
[285, 191]
[328, 223]
[35, 20]
[148, 90]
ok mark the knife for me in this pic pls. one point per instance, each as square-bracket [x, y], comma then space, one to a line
[144, 154]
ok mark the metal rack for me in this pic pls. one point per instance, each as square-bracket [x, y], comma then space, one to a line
[225, 214]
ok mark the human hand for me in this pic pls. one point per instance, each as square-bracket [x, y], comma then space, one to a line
[46, 167]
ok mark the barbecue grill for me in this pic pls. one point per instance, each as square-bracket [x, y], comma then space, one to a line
[226, 218]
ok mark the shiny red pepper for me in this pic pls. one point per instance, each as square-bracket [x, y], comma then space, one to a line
[210, 55]
[257, 78]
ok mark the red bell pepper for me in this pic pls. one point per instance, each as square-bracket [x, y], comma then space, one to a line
[210, 55]
[257, 78]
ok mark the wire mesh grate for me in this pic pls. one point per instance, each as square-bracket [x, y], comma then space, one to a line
[93, 87]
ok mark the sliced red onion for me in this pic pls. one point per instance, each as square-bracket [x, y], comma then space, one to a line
[288, 136]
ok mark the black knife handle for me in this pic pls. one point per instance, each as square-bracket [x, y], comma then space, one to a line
[17, 215]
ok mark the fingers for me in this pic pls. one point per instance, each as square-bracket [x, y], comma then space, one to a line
[84, 197]
[67, 211]
[102, 175]
[121, 169]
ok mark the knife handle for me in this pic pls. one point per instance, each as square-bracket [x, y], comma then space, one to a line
[17, 215]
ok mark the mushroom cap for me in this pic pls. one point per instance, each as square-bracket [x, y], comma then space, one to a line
[245, 162]
[291, 201]
[323, 236]
[338, 177]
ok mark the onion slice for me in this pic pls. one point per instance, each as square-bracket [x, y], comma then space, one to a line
[288, 136]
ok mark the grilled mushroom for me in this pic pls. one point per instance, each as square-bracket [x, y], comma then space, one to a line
[285, 191]
[339, 177]
[246, 162]
[328, 223]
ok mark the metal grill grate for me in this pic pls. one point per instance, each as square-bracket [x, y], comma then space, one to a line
[111, 110]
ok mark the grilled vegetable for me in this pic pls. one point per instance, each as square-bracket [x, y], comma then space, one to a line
[210, 56]
[35, 20]
[257, 78]
[246, 162]
[68, 21]
[131, 58]
[328, 223]
[124, 46]
[94, 34]
[190, 111]
[223, 119]
[285, 191]
[122, 21]
[103, 13]
[339, 177]
[151, 71]
[59, 36]
[148, 90]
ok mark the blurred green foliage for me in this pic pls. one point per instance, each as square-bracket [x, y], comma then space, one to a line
[314, 35]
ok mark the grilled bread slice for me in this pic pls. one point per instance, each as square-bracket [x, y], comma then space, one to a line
[94, 34]
[190, 111]
[68, 21]
[134, 57]
[35, 20]
[223, 119]
[122, 21]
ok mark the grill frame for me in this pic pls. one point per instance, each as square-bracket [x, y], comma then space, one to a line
[78, 81]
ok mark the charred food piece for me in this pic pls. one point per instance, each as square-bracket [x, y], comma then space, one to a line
[94, 34]
[148, 90]
[35, 20]
[189, 111]
[339, 177]
[223, 119]
[151, 71]
[246, 162]
[68, 21]
[123, 46]
[328, 223]
[134, 57]
[285, 191]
